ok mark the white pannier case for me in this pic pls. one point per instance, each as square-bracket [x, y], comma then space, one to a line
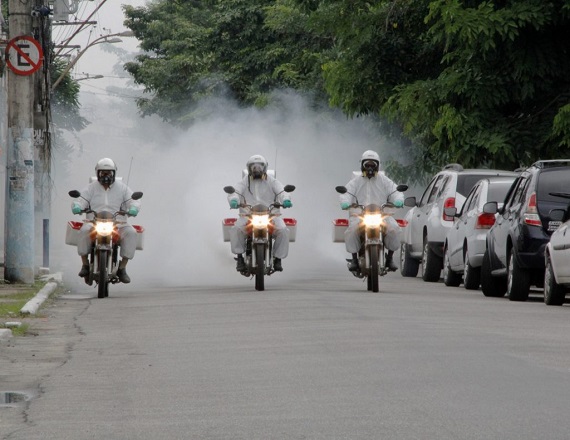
[339, 227]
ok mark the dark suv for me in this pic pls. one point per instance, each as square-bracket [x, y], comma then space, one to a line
[514, 258]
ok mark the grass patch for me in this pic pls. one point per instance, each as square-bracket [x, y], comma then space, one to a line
[21, 330]
[11, 304]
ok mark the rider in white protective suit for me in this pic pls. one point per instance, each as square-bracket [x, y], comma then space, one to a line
[371, 187]
[259, 187]
[107, 194]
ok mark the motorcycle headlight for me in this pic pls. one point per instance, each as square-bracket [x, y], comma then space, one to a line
[260, 221]
[372, 220]
[104, 228]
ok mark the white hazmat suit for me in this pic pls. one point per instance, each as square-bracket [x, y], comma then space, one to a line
[375, 190]
[111, 200]
[257, 191]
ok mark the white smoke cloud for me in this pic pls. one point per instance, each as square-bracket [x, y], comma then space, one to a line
[182, 174]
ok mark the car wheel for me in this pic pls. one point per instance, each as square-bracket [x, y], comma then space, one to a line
[409, 266]
[491, 286]
[450, 278]
[431, 264]
[554, 293]
[471, 275]
[518, 280]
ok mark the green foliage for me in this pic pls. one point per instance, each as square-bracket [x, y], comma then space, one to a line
[238, 48]
[482, 83]
[503, 82]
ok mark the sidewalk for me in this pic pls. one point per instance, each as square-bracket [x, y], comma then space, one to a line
[12, 293]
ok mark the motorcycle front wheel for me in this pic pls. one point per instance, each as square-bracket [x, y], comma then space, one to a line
[103, 286]
[259, 268]
[373, 271]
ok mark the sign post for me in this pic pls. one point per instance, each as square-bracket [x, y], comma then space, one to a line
[24, 55]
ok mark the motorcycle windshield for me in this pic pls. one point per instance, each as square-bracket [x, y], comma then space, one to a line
[260, 209]
[104, 215]
[372, 209]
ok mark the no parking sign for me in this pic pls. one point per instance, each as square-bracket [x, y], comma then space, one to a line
[24, 55]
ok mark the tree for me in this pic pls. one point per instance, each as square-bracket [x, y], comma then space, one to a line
[483, 83]
[502, 98]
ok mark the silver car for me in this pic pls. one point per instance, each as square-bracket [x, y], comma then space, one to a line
[426, 227]
[465, 241]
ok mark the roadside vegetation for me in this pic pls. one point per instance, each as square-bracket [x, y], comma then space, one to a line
[481, 83]
[12, 299]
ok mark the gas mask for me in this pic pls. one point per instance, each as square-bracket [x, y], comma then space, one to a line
[106, 177]
[370, 168]
[256, 171]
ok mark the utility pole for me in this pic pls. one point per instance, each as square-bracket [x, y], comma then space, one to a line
[19, 224]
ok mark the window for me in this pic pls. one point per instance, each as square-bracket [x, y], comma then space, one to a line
[427, 192]
[437, 187]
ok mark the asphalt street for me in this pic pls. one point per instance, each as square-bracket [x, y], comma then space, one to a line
[309, 358]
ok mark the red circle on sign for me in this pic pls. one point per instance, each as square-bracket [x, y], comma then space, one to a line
[24, 55]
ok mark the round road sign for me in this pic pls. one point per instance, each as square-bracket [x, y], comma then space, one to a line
[24, 55]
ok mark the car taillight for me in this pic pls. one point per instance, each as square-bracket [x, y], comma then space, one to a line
[531, 216]
[485, 221]
[449, 203]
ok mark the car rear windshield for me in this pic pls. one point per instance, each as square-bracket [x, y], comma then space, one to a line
[498, 190]
[466, 182]
[555, 180]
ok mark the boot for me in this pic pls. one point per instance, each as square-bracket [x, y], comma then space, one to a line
[390, 265]
[240, 266]
[84, 271]
[123, 277]
[277, 265]
[354, 266]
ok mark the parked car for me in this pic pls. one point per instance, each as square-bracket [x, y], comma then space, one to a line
[514, 258]
[557, 259]
[427, 223]
[466, 239]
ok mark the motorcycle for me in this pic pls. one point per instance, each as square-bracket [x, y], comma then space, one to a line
[104, 255]
[371, 257]
[259, 241]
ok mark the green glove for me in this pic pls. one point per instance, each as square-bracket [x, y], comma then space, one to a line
[76, 209]
[398, 203]
[287, 204]
[233, 204]
[133, 211]
[344, 205]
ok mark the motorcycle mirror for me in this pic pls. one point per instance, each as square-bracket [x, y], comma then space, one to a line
[74, 193]
[401, 188]
[289, 188]
[137, 195]
[229, 189]
[341, 189]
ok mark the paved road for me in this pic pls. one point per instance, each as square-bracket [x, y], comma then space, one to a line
[306, 359]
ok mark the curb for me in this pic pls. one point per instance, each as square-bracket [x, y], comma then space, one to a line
[32, 306]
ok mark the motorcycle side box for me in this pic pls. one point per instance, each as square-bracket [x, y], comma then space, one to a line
[291, 224]
[227, 224]
[140, 237]
[71, 232]
[339, 227]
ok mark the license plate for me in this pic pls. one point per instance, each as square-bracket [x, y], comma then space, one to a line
[553, 225]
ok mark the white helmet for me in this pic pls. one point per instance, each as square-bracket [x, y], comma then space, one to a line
[372, 160]
[257, 166]
[106, 164]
